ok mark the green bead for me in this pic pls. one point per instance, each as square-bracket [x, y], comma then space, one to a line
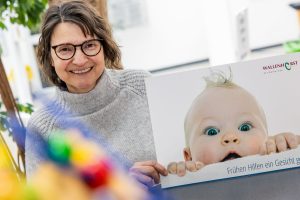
[59, 148]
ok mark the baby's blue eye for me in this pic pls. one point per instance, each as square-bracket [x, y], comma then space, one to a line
[211, 131]
[245, 127]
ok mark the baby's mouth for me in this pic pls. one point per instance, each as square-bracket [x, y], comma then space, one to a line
[231, 156]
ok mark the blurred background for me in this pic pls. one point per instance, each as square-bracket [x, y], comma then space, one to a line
[164, 36]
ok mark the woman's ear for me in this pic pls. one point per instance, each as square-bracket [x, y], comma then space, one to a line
[187, 154]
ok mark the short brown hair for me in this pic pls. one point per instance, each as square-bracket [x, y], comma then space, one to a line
[90, 22]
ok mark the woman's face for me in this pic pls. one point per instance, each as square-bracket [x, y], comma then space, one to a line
[81, 72]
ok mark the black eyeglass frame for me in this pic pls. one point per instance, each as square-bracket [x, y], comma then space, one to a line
[75, 48]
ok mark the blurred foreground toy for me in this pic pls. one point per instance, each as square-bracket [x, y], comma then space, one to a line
[10, 182]
[77, 169]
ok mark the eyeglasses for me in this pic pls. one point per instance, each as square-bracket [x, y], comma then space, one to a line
[67, 51]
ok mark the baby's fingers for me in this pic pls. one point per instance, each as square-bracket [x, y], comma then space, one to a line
[177, 168]
[181, 170]
[263, 149]
[281, 143]
[193, 166]
[172, 168]
[291, 140]
[271, 146]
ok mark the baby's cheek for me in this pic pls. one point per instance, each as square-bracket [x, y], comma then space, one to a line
[254, 146]
[207, 154]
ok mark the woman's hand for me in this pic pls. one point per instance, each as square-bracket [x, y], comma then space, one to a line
[180, 168]
[148, 172]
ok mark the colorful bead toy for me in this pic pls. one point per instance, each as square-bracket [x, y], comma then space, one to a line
[77, 169]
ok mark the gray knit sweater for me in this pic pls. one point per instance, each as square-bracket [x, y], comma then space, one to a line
[116, 109]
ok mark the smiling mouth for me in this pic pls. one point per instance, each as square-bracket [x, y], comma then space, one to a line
[231, 156]
[83, 71]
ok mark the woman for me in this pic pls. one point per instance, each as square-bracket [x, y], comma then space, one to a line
[79, 56]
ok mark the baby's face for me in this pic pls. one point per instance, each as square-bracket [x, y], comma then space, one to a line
[225, 123]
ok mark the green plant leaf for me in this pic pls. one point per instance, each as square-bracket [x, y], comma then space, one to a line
[2, 25]
[24, 12]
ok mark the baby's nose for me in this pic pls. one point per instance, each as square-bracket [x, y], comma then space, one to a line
[230, 138]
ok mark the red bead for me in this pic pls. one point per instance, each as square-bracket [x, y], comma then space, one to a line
[96, 174]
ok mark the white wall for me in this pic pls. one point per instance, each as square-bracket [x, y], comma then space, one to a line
[272, 22]
[173, 35]
[175, 32]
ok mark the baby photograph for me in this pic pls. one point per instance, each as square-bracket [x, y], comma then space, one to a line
[226, 121]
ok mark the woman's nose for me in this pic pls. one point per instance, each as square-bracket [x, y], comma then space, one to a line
[79, 58]
[230, 138]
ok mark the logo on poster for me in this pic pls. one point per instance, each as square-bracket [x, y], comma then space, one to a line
[279, 67]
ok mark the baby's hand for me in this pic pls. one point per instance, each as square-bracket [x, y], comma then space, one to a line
[282, 142]
[180, 168]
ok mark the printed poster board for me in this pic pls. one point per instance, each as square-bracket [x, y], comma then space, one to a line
[274, 84]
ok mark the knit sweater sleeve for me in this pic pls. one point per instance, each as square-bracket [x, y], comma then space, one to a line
[38, 127]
